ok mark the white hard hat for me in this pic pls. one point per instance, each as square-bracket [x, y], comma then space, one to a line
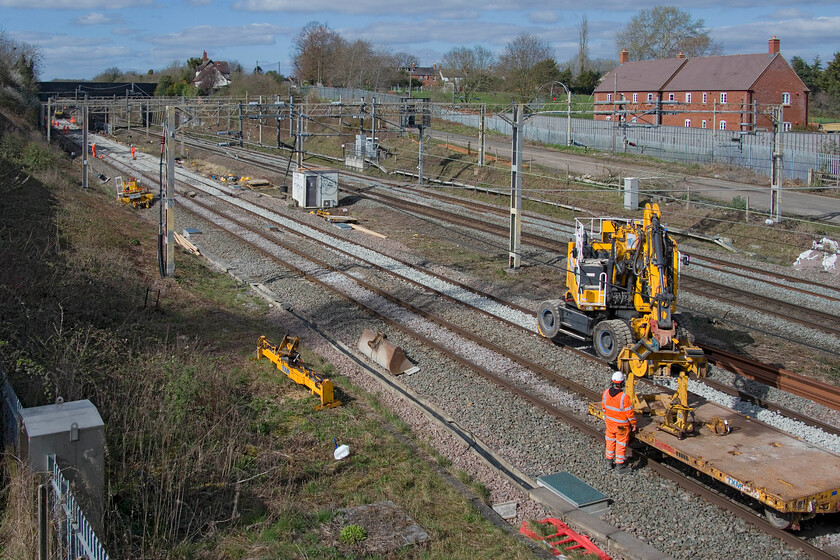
[618, 377]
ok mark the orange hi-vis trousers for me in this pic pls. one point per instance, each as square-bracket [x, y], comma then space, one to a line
[617, 437]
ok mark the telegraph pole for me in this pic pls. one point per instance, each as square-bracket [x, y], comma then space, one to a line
[776, 171]
[516, 189]
[241, 140]
[85, 144]
[169, 200]
[420, 157]
[481, 129]
[299, 141]
[49, 119]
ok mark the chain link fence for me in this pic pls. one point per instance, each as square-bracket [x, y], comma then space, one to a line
[801, 151]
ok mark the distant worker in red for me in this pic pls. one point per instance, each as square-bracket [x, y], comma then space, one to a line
[132, 152]
[93, 149]
[620, 419]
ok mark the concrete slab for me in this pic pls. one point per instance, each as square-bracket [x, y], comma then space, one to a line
[506, 509]
[387, 526]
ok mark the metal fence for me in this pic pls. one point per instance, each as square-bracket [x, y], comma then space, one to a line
[801, 151]
[11, 414]
[75, 537]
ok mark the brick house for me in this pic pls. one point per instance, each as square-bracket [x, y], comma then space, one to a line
[211, 74]
[722, 92]
[429, 76]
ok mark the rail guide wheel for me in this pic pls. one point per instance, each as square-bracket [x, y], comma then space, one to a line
[781, 520]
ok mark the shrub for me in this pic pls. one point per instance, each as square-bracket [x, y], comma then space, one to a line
[353, 534]
[738, 203]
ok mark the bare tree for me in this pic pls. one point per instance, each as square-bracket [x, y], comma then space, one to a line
[406, 60]
[518, 61]
[19, 65]
[314, 52]
[663, 32]
[111, 74]
[469, 68]
[583, 45]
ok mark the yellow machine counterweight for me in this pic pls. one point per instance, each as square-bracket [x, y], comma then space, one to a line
[287, 359]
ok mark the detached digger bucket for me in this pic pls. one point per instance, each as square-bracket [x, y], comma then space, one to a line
[375, 345]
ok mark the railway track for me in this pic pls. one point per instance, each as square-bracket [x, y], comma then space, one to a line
[769, 375]
[516, 388]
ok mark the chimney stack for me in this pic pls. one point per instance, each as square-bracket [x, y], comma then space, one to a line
[681, 55]
[623, 56]
[204, 58]
[774, 45]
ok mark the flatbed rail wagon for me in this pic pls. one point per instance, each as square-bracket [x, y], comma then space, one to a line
[792, 478]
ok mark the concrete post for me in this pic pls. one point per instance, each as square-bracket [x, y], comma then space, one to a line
[631, 193]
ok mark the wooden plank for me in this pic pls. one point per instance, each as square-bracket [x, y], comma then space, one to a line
[368, 231]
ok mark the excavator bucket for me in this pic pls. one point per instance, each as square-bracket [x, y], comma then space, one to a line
[377, 347]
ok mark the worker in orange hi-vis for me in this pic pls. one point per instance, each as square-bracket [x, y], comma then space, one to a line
[132, 152]
[72, 119]
[93, 149]
[620, 419]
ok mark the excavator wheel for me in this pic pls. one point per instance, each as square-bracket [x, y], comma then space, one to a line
[549, 318]
[610, 337]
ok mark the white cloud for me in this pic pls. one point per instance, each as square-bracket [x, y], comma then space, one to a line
[799, 37]
[433, 8]
[75, 4]
[96, 18]
[221, 36]
[543, 16]
[790, 13]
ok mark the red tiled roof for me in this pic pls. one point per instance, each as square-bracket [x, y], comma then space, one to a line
[642, 75]
[736, 72]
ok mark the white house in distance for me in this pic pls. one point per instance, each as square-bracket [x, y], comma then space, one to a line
[212, 73]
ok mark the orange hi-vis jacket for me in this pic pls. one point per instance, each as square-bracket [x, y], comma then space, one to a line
[617, 408]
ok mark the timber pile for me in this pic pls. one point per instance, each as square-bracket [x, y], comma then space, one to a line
[186, 244]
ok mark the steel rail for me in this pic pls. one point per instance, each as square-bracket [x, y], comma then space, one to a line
[737, 509]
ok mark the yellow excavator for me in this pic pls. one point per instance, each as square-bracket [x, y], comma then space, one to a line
[130, 192]
[621, 292]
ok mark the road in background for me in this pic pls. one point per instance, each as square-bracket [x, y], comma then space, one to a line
[794, 204]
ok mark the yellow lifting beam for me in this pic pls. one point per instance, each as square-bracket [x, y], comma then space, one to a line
[287, 359]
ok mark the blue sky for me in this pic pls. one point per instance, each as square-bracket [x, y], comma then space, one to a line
[81, 38]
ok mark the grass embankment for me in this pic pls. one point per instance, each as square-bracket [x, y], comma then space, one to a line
[209, 454]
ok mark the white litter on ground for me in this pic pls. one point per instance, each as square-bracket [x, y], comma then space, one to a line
[822, 255]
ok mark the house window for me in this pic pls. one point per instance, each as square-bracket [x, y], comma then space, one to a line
[705, 95]
[723, 98]
[723, 125]
[704, 123]
[635, 98]
[650, 97]
[688, 123]
[609, 98]
[786, 126]
[785, 98]
[670, 97]
[688, 98]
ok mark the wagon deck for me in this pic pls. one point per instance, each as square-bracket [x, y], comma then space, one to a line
[779, 470]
